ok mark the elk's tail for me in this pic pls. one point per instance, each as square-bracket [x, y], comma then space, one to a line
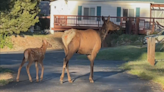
[26, 54]
[68, 36]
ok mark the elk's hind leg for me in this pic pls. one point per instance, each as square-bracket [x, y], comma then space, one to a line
[37, 70]
[20, 67]
[65, 65]
[72, 48]
[28, 72]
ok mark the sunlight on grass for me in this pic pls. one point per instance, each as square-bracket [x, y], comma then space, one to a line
[144, 70]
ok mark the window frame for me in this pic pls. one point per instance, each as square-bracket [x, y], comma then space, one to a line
[89, 13]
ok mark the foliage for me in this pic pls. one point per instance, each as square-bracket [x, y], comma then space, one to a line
[19, 16]
[116, 39]
[5, 41]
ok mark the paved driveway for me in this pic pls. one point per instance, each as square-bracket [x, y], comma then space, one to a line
[107, 76]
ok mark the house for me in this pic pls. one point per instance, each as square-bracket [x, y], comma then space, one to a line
[117, 8]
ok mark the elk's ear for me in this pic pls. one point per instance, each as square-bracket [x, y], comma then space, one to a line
[44, 41]
[103, 18]
[108, 18]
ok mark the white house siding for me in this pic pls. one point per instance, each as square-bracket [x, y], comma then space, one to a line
[107, 8]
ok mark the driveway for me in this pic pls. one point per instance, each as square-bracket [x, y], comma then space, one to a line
[107, 76]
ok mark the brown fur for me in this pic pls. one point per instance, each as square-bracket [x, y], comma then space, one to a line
[34, 55]
[68, 34]
[87, 42]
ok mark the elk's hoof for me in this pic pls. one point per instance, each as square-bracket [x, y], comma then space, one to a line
[61, 82]
[37, 80]
[91, 80]
[17, 80]
[41, 79]
[70, 81]
[30, 80]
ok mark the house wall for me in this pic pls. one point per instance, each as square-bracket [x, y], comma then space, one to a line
[107, 8]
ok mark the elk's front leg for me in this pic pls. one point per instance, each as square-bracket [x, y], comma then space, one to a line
[41, 76]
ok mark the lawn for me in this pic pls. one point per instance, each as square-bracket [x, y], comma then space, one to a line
[137, 61]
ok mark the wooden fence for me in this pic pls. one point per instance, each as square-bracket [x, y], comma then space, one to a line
[151, 50]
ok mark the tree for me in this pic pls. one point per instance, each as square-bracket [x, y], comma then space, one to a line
[19, 16]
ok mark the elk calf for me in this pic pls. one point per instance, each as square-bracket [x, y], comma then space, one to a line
[34, 55]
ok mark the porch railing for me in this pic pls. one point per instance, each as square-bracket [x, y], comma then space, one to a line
[63, 22]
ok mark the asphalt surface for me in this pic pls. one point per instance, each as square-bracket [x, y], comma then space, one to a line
[107, 76]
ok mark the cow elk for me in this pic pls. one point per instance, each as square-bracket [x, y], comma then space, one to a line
[87, 42]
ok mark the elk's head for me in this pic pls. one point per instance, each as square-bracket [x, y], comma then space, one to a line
[108, 26]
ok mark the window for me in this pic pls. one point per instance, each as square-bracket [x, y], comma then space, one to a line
[128, 12]
[131, 12]
[89, 12]
[125, 12]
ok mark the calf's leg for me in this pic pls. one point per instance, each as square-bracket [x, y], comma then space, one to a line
[28, 72]
[41, 76]
[37, 70]
[20, 67]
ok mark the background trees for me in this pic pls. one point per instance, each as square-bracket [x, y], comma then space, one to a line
[18, 15]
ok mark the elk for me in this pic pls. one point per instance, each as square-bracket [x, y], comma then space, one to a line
[86, 42]
[34, 55]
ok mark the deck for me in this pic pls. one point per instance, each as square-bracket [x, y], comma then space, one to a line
[137, 25]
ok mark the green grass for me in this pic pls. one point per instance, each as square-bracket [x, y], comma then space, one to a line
[123, 53]
[137, 61]
[144, 70]
[4, 82]
[3, 70]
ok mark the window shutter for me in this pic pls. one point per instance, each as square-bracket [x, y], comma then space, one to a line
[118, 13]
[79, 12]
[137, 12]
[98, 12]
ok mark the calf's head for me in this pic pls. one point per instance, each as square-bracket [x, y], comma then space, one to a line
[47, 44]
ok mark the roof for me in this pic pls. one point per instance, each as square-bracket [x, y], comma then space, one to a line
[155, 1]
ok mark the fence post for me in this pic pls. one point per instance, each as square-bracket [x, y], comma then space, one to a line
[137, 26]
[153, 27]
[151, 50]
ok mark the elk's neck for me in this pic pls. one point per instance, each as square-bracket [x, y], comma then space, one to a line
[44, 48]
[102, 34]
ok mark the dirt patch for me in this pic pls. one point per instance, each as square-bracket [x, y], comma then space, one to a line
[6, 76]
[21, 43]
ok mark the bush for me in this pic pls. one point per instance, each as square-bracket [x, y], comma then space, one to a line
[116, 39]
[5, 41]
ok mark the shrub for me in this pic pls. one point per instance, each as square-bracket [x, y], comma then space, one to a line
[5, 41]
